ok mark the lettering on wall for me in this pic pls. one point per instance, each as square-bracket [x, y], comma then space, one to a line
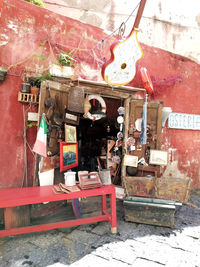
[184, 121]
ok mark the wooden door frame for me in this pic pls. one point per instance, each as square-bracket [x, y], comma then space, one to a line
[63, 85]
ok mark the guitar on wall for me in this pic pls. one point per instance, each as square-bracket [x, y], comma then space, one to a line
[120, 69]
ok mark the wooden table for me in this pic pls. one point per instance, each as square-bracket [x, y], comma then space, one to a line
[14, 197]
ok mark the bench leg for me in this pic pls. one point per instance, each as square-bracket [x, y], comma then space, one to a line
[103, 204]
[113, 213]
[113, 230]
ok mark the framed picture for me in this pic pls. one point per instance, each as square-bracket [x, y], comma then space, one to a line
[68, 156]
[70, 133]
[130, 160]
[71, 117]
[158, 157]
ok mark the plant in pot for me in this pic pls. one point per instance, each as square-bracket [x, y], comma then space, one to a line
[65, 59]
[3, 72]
[64, 68]
[36, 82]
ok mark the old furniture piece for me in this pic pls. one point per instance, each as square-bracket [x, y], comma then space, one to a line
[173, 188]
[31, 195]
[150, 211]
[140, 181]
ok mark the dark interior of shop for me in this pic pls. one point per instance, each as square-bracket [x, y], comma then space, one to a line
[93, 135]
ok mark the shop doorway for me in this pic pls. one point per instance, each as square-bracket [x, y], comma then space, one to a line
[97, 139]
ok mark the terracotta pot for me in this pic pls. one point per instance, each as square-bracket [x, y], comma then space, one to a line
[35, 90]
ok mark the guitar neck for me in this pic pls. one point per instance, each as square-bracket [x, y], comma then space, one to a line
[139, 14]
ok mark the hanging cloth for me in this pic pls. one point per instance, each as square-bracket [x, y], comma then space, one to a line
[143, 135]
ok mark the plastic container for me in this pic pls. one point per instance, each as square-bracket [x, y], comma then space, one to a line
[46, 178]
[70, 178]
[105, 177]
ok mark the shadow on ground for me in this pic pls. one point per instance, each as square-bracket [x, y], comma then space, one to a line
[94, 245]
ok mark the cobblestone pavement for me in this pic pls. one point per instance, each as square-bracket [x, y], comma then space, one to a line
[137, 245]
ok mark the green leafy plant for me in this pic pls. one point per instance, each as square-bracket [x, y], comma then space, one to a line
[36, 2]
[31, 124]
[37, 80]
[65, 59]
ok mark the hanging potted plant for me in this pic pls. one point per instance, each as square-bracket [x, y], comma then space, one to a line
[3, 72]
[64, 68]
[65, 59]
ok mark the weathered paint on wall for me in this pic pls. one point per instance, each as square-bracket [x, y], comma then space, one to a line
[176, 80]
[27, 30]
[165, 24]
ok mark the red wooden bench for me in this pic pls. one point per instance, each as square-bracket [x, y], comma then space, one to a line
[14, 197]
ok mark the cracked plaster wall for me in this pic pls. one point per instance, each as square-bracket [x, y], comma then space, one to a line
[22, 30]
[170, 25]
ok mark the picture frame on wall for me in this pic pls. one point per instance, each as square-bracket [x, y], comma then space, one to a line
[130, 160]
[158, 157]
[68, 156]
[71, 117]
[70, 133]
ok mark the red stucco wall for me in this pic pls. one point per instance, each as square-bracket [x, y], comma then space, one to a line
[25, 26]
[176, 81]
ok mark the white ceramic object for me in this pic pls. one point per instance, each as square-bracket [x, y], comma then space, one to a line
[70, 178]
[46, 178]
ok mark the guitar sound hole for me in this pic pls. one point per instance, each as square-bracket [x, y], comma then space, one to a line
[123, 66]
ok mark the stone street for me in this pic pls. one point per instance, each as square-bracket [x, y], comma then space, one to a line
[94, 245]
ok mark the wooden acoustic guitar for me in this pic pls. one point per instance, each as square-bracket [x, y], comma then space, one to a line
[120, 69]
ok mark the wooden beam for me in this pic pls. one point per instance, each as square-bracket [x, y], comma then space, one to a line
[105, 85]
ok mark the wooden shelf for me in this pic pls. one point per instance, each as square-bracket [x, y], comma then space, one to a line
[28, 98]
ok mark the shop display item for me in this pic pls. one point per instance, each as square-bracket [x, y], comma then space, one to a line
[148, 85]
[90, 180]
[62, 188]
[76, 99]
[149, 211]
[120, 69]
[105, 176]
[70, 178]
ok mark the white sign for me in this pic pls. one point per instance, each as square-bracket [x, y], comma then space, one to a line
[70, 117]
[32, 116]
[184, 121]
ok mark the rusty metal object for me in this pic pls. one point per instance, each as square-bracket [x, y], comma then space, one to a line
[76, 99]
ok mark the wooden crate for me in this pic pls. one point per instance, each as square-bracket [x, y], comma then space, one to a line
[149, 211]
[173, 188]
[28, 98]
[139, 186]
